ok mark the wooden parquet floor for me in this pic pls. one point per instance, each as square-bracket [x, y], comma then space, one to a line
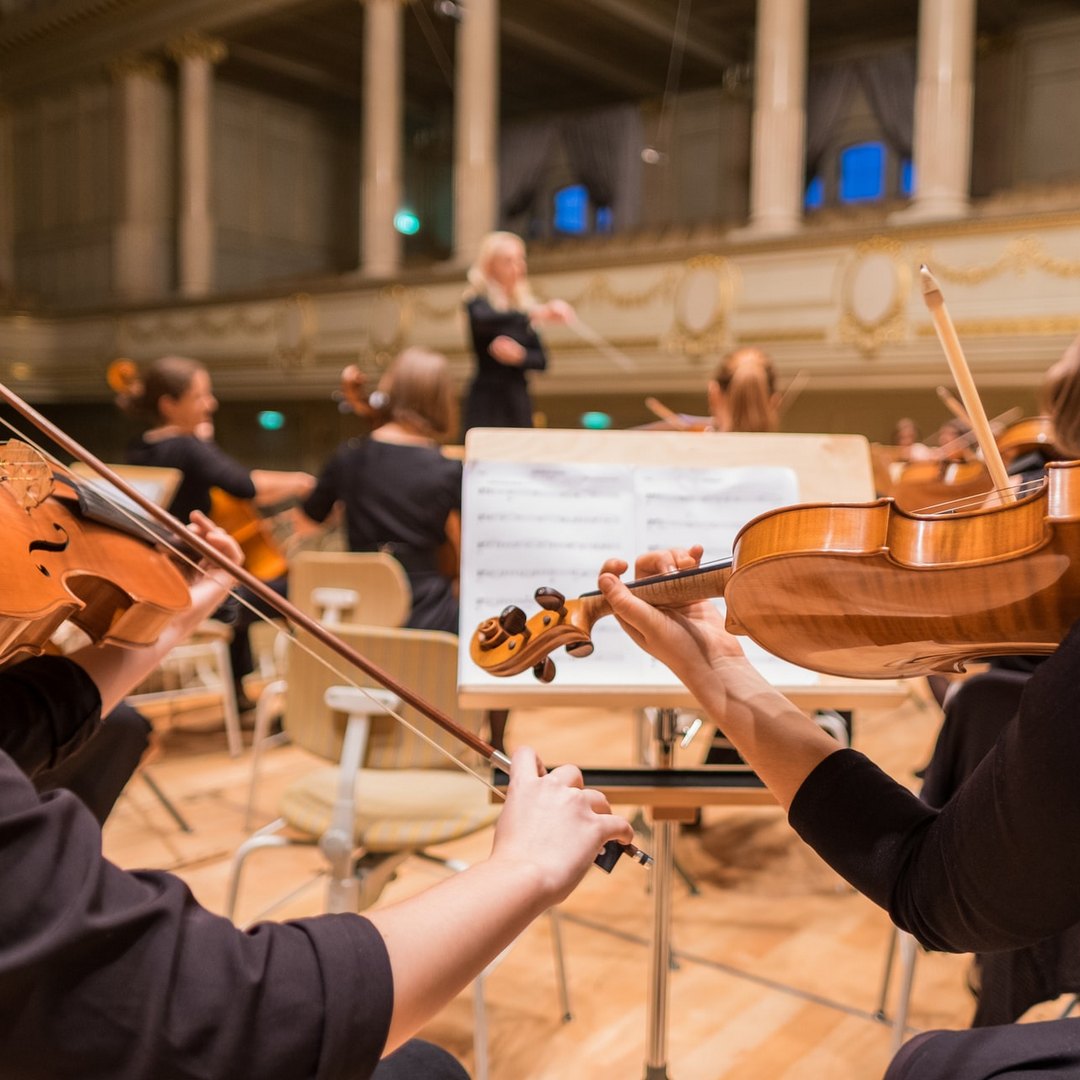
[779, 963]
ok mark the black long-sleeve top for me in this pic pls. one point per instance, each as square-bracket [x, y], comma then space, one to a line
[498, 395]
[204, 465]
[997, 867]
[111, 975]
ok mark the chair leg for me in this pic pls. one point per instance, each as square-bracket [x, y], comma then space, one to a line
[560, 965]
[228, 701]
[907, 977]
[265, 837]
[886, 978]
[265, 707]
[480, 1028]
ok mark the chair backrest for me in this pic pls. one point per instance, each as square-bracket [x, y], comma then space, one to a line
[424, 660]
[377, 578]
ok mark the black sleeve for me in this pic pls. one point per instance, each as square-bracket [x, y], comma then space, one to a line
[217, 469]
[50, 707]
[487, 323]
[109, 975]
[996, 868]
[327, 490]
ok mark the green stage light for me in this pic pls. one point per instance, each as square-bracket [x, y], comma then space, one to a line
[595, 421]
[271, 420]
[406, 223]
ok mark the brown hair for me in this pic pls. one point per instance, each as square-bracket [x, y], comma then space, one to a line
[419, 393]
[169, 376]
[748, 380]
[1061, 400]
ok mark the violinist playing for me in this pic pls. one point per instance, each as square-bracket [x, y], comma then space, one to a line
[742, 392]
[114, 975]
[995, 868]
[175, 400]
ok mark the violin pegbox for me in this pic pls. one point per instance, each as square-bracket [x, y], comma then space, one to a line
[511, 643]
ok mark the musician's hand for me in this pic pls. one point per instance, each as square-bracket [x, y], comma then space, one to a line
[554, 825]
[691, 639]
[224, 544]
[507, 351]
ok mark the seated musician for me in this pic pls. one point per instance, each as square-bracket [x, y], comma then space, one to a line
[742, 392]
[175, 400]
[111, 975]
[994, 869]
[976, 711]
[401, 495]
[398, 492]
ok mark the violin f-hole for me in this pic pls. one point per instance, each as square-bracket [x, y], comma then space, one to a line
[50, 545]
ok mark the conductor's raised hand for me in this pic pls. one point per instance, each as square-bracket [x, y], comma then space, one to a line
[553, 825]
[690, 639]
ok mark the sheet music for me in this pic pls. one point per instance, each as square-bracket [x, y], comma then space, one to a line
[528, 525]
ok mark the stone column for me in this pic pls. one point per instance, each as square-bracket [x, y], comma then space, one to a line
[778, 161]
[141, 248]
[476, 119]
[196, 56]
[944, 101]
[7, 199]
[380, 242]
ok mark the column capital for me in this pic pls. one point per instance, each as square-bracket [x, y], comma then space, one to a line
[196, 46]
[131, 64]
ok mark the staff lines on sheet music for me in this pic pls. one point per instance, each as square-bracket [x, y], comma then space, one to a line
[591, 519]
[558, 545]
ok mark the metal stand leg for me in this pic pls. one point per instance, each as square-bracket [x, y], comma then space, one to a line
[664, 855]
[165, 802]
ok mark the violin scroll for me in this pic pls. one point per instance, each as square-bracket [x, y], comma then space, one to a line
[511, 643]
[355, 395]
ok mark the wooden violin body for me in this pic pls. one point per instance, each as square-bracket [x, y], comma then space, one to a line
[58, 565]
[861, 590]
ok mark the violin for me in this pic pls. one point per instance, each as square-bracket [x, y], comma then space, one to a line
[61, 563]
[861, 590]
[355, 395]
[613, 850]
[1026, 436]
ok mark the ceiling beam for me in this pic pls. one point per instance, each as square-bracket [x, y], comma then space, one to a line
[561, 51]
[704, 46]
[297, 70]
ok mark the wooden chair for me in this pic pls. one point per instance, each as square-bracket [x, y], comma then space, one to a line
[384, 597]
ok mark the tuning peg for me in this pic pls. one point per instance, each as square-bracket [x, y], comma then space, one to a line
[545, 670]
[551, 599]
[512, 620]
[580, 649]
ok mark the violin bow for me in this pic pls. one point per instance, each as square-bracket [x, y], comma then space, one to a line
[965, 384]
[601, 344]
[659, 409]
[612, 850]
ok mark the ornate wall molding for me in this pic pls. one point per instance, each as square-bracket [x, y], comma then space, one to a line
[874, 295]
